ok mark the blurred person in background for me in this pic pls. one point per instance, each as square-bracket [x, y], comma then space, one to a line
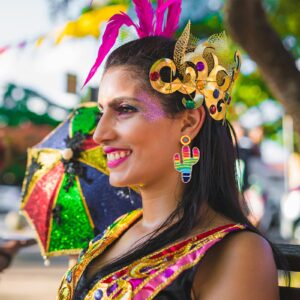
[9, 249]
[290, 207]
[247, 149]
[255, 193]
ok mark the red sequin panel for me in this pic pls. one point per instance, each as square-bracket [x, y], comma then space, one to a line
[40, 202]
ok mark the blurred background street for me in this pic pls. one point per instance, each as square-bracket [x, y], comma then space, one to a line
[29, 279]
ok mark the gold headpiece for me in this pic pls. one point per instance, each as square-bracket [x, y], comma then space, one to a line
[206, 74]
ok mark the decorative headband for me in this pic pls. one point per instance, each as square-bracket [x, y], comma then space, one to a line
[201, 71]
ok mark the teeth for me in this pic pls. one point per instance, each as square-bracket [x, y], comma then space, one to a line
[116, 155]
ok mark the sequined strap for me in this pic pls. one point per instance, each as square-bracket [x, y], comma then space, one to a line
[184, 257]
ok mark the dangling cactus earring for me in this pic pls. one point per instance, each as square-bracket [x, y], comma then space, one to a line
[185, 166]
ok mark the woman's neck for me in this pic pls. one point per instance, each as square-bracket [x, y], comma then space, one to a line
[159, 201]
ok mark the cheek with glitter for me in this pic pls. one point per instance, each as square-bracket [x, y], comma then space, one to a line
[152, 109]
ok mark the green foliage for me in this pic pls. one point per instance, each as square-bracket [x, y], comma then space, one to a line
[209, 25]
[285, 18]
[251, 90]
[14, 112]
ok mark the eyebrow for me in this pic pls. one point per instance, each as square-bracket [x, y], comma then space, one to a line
[117, 100]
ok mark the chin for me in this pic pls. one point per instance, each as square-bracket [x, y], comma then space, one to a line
[117, 182]
[120, 182]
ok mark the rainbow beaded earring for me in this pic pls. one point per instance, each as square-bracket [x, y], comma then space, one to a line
[185, 166]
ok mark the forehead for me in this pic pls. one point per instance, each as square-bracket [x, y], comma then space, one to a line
[118, 82]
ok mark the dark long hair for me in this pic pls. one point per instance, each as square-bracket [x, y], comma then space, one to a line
[214, 177]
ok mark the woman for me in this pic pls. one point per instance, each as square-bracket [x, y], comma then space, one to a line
[9, 249]
[191, 240]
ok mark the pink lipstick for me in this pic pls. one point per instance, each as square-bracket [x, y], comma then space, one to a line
[115, 160]
[115, 163]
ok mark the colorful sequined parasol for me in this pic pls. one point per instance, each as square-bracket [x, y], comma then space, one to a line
[66, 193]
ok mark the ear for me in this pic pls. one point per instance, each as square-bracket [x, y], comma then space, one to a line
[192, 121]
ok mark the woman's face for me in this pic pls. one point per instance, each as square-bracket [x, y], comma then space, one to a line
[134, 127]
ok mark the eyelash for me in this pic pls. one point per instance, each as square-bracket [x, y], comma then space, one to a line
[125, 109]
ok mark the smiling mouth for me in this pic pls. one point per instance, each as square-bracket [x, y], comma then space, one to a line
[117, 157]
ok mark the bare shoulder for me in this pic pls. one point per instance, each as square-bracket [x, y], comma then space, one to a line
[241, 266]
[248, 244]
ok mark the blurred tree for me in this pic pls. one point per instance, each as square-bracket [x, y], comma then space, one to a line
[20, 105]
[25, 118]
[248, 24]
[58, 7]
[63, 7]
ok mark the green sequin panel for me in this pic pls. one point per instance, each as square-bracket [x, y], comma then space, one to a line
[85, 119]
[71, 227]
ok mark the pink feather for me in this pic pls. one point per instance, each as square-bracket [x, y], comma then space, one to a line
[159, 17]
[172, 23]
[109, 38]
[145, 14]
[174, 10]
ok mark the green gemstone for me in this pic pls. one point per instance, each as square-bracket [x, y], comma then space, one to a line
[190, 104]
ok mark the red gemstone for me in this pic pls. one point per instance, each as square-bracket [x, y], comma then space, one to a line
[154, 76]
[213, 109]
[109, 279]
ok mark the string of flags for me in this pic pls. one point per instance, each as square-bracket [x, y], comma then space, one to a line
[88, 24]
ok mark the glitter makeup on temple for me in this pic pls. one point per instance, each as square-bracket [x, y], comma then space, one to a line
[153, 111]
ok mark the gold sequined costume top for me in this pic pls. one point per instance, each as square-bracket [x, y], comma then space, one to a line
[164, 274]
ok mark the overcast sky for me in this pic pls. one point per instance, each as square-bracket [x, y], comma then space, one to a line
[23, 19]
[26, 19]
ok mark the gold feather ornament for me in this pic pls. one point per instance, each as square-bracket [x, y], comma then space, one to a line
[206, 70]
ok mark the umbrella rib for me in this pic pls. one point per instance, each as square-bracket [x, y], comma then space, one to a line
[85, 203]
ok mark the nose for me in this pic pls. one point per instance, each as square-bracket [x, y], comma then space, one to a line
[105, 130]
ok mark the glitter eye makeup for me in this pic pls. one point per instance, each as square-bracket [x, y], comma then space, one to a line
[152, 110]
